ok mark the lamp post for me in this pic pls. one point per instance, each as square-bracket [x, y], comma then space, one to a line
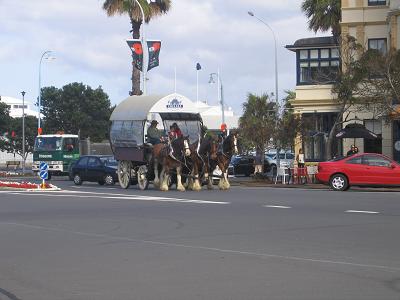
[144, 45]
[40, 85]
[23, 132]
[220, 92]
[276, 57]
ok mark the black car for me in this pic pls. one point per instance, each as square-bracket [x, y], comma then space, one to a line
[95, 168]
[244, 165]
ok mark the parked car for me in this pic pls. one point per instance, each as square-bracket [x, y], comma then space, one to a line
[244, 165]
[285, 159]
[366, 169]
[95, 168]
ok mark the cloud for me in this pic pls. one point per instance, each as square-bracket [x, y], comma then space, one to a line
[91, 47]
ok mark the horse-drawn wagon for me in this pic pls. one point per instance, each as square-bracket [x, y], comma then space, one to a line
[130, 121]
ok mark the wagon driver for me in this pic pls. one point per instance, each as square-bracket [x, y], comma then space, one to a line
[154, 134]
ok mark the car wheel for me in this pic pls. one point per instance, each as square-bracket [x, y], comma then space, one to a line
[339, 182]
[108, 179]
[101, 182]
[77, 179]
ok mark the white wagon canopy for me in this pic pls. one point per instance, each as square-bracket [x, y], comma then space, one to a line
[133, 115]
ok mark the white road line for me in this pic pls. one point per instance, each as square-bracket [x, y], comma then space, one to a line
[220, 250]
[362, 211]
[121, 197]
[277, 206]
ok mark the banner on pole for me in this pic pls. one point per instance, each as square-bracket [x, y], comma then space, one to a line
[137, 53]
[153, 47]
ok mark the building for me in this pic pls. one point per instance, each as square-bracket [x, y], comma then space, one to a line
[317, 62]
[212, 116]
[375, 25]
[15, 106]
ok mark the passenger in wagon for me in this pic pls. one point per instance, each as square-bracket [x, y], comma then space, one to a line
[154, 134]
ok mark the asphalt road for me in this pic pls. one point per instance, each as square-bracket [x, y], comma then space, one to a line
[93, 242]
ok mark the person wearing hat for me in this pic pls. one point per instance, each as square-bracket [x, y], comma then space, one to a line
[154, 134]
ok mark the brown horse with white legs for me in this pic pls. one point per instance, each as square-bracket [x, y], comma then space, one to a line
[173, 160]
[229, 147]
[208, 154]
[194, 166]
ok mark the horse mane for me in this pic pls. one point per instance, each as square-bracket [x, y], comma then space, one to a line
[205, 144]
[227, 144]
[178, 146]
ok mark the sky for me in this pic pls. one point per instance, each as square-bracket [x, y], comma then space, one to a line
[90, 47]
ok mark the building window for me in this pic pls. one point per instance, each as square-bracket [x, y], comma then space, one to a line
[378, 44]
[317, 66]
[376, 2]
[373, 145]
[315, 130]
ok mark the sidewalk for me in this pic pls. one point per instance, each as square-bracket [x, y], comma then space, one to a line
[250, 182]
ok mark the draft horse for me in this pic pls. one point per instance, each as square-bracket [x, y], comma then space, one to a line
[229, 147]
[203, 151]
[208, 155]
[170, 161]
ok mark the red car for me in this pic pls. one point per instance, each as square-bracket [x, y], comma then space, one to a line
[366, 169]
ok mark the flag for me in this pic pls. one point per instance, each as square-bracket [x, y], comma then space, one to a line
[154, 53]
[137, 53]
[198, 67]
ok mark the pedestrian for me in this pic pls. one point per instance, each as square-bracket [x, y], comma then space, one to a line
[353, 150]
[258, 166]
[301, 169]
[300, 159]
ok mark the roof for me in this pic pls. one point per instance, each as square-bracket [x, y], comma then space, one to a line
[59, 135]
[316, 42]
[139, 107]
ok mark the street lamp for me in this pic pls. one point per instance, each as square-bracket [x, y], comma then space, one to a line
[45, 55]
[23, 132]
[220, 92]
[276, 56]
[144, 45]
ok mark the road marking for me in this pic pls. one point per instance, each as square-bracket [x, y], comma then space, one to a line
[362, 211]
[119, 197]
[277, 206]
[220, 250]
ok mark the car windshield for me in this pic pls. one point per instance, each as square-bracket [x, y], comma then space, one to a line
[337, 158]
[109, 161]
[48, 143]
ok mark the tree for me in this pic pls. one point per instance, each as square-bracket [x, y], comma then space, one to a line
[379, 82]
[13, 144]
[130, 7]
[323, 15]
[258, 120]
[4, 118]
[289, 124]
[76, 108]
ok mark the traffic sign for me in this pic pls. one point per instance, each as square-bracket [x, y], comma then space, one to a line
[43, 166]
[44, 175]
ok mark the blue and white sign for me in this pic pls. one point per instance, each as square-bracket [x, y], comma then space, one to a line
[44, 175]
[43, 166]
[44, 171]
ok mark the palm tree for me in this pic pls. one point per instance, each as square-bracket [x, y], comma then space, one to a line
[258, 120]
[323, 15]
[151, 9]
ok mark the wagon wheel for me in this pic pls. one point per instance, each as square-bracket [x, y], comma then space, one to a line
[124, 173]
[143, 180]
